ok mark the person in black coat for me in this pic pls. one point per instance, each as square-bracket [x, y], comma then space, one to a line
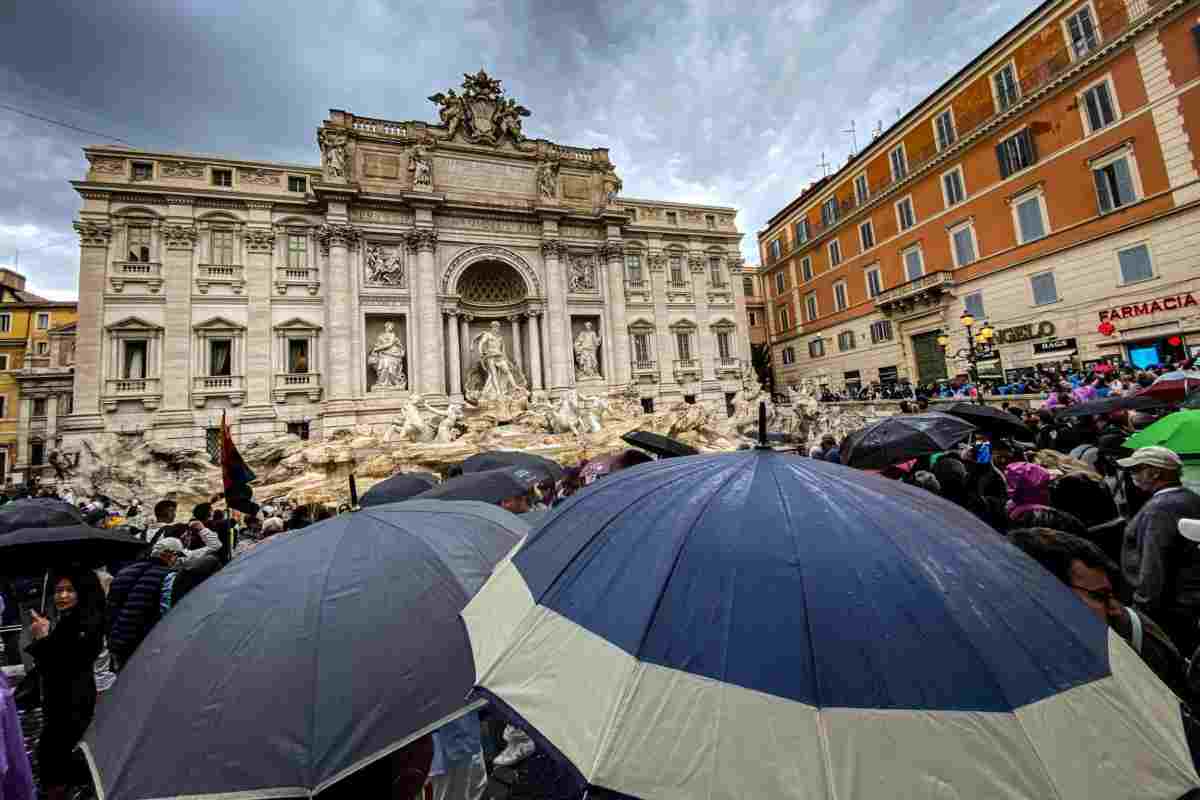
[135, 599]
[65, 655]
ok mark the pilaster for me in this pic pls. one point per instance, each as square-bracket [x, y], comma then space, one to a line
[94, 241]
[179, 266]
[258, 246]
[337, 241]
[558, 331]
[613, 253]
[431, 382]
[535, 352]
[454, 357]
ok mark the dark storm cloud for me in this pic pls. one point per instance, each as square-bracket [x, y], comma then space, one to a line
[715, 102]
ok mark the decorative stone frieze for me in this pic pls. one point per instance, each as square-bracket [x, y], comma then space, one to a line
[259, 240]
[179, 237]
[93, 234]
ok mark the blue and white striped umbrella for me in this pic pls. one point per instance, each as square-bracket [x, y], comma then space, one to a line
[755, 625]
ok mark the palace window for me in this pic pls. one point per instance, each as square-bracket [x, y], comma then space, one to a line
[138, 239]
[784, 322]
[816, 348]
[222, 247]
[672, 218]
[297, 250]
[1044, 289]
[839, 296]
[973, 305]
[905, 214]
[866, 235]
[715, 276]
[1115, 185]
[962, 239]
[776, 249]
[675, 264]
[1016, 153]
[220, 357]
[810, 307]
[297, 184]
[1135, 264]
[1029, 212]
[133, 366]
[801, 231]
[683, 345]
[874, 282]
[846, 341]
[297, 354]
[914, 263]
[862, 191]
[881, 331]
[641, 348]
[1099, 110]
[953, 190]
[835, 253]
[39, 407]
[780, 282]
[748, 286]
[710, 222]
[944, 125]
[142, 171]
[1081, 32]
[299, 429]
[1004, 87]
[806, 270]
[724, 344]
[899, 162]
[789, 355]
[222, 177]
[633, 269]
[43, 321]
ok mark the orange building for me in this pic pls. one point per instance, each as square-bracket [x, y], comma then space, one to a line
[1050, 188]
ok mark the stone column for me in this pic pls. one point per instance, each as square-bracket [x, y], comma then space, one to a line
[614, 255]
[175, 377]
[51, 421]
[535, 352]
[518, 359]
[737, 272]
[455, 358]
[93, 264]
[259, 248]
[705, 346]
[337, 241]
[432, 383]
[464, 345]
[23, 416]
[556, 318]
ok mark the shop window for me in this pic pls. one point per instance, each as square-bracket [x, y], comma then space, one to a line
[1044, 289]
[1135, 264]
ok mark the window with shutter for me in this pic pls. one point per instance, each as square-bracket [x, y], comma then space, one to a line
[1044, 289]
[846, 341]
[775, 249]
[963, 239]
[899, 163]
[839, 296]
[835, 253]
[1004, 84]
[874, 283]
[953, 190]
[816, 348]
[1016, 153]
[861, 191]
[806, 269]
[1135, 264]
[1114, 184]
[945, 129]
[866, 235]
[914, 264]
[1081, 30]
[1031, 222]
[801, 231]
[1098, 106]
[810, 307]
[829, 211]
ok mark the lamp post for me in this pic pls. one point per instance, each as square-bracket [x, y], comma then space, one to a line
[983, 337]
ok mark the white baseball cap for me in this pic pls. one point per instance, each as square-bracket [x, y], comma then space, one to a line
[1190, 529]
[1161, 457]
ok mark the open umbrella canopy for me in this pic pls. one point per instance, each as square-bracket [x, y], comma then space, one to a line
[32, 549]
[659, 445]
[38, 512]
[613, 462]
[1114, 402]
[303, 660]
[482, 462]
[1173, 386]
[993, 420]
[1179, 432]
[488, 487]
[756, 625]
[396, 488]
[902, 437]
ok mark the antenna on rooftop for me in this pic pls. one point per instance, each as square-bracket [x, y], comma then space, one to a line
[853, 137]
[878, 130]
[824, 165]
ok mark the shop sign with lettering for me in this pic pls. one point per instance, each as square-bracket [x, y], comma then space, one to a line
[1172, 302]
[1054, 345]
[1023, 333]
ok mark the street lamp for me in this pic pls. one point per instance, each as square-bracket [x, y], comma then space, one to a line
[981, 338]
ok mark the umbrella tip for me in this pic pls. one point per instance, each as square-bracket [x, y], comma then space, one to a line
[762, 425]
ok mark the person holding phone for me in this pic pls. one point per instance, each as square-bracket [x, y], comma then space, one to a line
[65, 653]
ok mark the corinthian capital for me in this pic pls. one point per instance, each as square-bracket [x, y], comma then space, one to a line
[337, 235]
[696, 263]
[422, 239]
[259, 240]
[553, 248]
[179, 237]
[93, 234]
[612, 250]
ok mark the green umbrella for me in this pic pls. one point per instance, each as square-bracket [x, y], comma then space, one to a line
[1179, 432]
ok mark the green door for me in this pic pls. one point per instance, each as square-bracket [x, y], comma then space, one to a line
[931, 359]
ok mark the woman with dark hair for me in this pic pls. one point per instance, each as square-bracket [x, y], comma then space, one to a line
[65, 654]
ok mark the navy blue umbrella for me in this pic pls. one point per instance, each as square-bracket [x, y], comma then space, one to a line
[398, 487]
[491, 486]
[304, 660]
[757, 625]
[497, 459]
[38, 512]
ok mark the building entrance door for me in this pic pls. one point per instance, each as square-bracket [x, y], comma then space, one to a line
[931, 360]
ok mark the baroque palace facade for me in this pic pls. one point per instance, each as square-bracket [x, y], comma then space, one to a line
[317, 298]
[1050, 189]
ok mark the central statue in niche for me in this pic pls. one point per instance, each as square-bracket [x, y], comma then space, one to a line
[495, 381]
[387, 358]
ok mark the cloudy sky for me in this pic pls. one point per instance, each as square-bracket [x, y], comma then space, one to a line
[729, 103]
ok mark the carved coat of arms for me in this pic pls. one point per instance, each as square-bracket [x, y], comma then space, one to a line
[481, 113]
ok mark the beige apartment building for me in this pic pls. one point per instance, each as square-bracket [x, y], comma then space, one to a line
[1049, 189]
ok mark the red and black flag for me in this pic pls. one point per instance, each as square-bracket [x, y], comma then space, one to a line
[236, 474]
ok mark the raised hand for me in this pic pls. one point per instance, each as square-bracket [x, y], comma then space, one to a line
[40, 627]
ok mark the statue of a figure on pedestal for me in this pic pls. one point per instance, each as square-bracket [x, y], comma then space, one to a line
[387, 358]
[495, 377]
[333, 152]
[586, 344]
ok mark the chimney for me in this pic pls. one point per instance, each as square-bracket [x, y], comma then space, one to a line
[13, 280]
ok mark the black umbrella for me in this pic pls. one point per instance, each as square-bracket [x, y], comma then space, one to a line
[659, 445]
[396, 488]
[489, 487]
[38, 512]
[306, 659]
[1107, 405]
[900, 438]
[482, 462]
[992, 420]
[32, 549]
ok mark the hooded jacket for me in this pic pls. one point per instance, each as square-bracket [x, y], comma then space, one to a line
[133, 605]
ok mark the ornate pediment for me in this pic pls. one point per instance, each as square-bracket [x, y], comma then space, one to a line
[133, 324]
[219, 323]
[481, 114]
[295, 323]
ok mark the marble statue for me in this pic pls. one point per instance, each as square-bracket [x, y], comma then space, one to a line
[450, 110]
[547, 179]
[592, 419]
[450, 427]
[586, 345]
[420, 164]
[499, 375]
[333, 152]
[383, 268]
[387, 358]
